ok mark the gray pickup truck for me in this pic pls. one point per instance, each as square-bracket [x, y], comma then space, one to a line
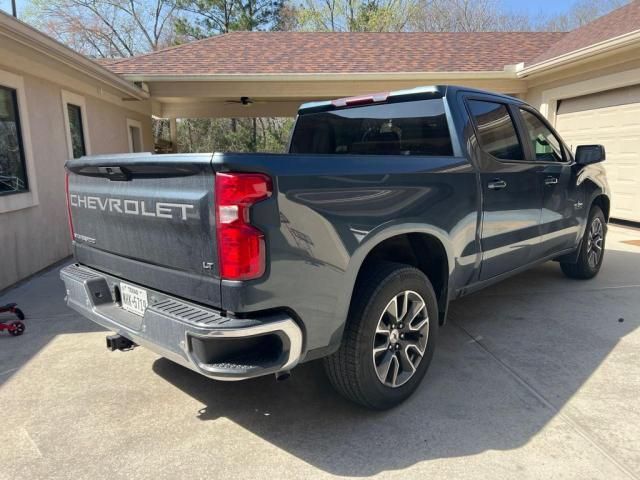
[348, 248]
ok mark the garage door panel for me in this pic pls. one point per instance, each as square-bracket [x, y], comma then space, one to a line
[613, 119]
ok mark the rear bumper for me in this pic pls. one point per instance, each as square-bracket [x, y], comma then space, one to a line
[199, 338]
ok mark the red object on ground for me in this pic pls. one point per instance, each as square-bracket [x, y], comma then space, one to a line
[16, 327]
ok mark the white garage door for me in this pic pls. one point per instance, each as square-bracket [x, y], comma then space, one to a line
[611, 118]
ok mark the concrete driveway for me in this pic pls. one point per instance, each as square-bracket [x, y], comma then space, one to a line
[537, 377]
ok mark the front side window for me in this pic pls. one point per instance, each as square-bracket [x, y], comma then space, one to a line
[75, 128]
[496, 130]
[545, 144]
[13, 172]
[404, 128]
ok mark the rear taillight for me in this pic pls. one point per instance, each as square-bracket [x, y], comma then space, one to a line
[241, 246]
[68, 200]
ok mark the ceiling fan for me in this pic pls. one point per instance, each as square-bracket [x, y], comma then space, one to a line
[244, 101]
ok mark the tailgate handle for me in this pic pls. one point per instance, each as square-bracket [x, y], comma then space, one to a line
[115, 173]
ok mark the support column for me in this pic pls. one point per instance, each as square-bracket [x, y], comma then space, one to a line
[173, 134]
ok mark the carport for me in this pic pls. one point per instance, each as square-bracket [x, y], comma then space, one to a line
[269, 74]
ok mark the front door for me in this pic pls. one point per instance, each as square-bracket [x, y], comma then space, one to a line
[559, 226]
[512, 192]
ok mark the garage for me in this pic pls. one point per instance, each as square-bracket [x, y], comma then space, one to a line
[611, 118]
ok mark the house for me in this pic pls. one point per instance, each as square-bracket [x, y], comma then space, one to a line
[54, 104]
[586, 82]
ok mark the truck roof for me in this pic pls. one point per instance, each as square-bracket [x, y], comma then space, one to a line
[411, 94]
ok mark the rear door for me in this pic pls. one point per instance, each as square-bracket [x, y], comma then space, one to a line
[512, 193]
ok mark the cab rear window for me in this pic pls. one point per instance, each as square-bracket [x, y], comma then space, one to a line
[404, 128]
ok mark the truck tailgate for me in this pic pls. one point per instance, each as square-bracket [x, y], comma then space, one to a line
[147, 218]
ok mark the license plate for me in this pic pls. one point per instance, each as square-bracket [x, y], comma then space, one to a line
[134, 299]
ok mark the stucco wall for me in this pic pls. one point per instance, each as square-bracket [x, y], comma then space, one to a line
[33, 238]
[108, 127]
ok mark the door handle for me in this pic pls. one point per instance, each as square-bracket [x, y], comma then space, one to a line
[497, 184]
[551, 180]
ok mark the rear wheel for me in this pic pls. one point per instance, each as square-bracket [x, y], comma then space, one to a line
[591, 249]
[389, 339]
[18, 329]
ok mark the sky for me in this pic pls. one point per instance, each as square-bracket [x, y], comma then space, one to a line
[534, 7]
[520, 6]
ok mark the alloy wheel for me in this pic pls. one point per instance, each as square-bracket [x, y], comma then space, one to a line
[595, 242]
[401, 338]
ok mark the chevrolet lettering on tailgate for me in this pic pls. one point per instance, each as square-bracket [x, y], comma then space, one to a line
[131, 207]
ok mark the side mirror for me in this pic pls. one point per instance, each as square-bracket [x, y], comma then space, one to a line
[588, 154]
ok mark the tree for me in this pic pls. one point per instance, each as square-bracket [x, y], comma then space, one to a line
[580, 13]
[204, 18]
[107, 28]
[355, 15]
[247, 135]
[465, 16]
[286, 17]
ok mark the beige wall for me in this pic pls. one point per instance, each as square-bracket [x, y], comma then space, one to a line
[108, 127]
[34, 237]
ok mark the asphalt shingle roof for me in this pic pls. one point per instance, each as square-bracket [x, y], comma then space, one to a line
[316, 52]
[623, 20]
[322, 52]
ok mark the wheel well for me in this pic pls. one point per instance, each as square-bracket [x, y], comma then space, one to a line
[422, 251]
[604, 203]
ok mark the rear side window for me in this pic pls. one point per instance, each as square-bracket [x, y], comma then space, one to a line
[496, 130]
[404, 128]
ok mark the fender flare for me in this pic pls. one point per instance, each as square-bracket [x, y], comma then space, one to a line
[372, 240]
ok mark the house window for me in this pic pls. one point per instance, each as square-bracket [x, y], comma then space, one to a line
[76, 130]
[74, 110]
[13, 172]
[134, 130]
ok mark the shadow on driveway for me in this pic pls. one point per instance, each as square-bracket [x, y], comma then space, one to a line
[510, 358]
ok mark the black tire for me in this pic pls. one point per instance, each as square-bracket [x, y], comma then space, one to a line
[353, 370]
[19, 313]
[588, 266]
[18, 329]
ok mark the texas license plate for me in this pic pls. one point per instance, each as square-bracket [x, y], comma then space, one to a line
[134, 299]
